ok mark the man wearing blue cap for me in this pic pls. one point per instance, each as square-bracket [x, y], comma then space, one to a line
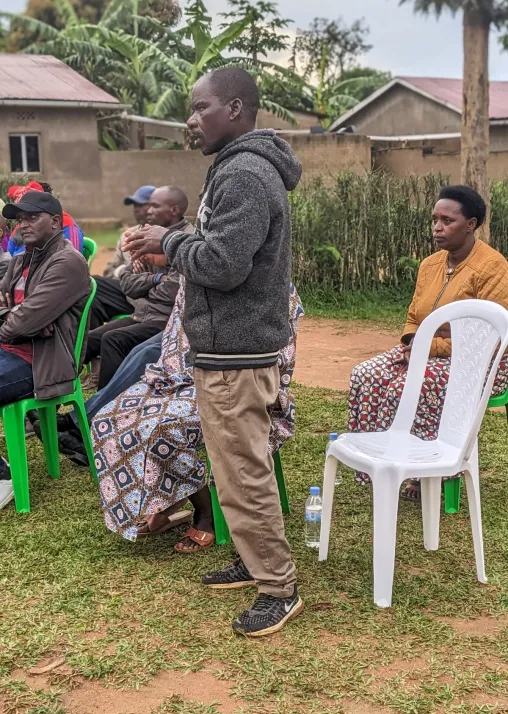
[140, 204]
[110, 299]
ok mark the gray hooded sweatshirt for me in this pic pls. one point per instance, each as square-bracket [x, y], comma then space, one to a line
[237, 265]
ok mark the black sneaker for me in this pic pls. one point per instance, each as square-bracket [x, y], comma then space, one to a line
[268, 614]
[5, 471]
[234, 575]
[70, 444]
[64, 422]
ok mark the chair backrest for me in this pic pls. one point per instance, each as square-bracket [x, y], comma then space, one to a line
[478, 328]
[83, 323]
[89, 250]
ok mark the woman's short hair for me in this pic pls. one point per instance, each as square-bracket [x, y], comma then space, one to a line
[473, 205]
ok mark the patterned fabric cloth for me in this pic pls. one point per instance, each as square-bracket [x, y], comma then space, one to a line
[146, 439]
[376, 388]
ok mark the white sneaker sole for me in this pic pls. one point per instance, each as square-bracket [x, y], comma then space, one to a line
[232, 586]
[6, 499]
[272, 630]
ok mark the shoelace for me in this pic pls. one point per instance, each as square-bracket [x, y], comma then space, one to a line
[263, 602]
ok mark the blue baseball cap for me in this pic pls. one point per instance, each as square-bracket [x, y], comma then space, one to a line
[141, 196]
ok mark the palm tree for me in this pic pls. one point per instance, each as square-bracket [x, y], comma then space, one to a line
[477, 16]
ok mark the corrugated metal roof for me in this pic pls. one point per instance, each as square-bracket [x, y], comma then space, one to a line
[45, 78]
[450, 91]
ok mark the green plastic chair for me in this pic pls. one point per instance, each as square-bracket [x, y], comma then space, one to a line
[222, 535]
[89, 251]
[452, 486]
[13, 417]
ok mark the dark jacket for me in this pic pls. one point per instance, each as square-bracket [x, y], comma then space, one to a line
[56, 290]
[238, 264]
[154, 290]
[4, 262]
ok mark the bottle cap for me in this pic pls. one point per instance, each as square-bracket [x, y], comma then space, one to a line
[334, 436]
[315, 490]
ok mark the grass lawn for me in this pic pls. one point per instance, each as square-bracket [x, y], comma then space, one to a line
[386, 307]
[122, 614]
[105, 239]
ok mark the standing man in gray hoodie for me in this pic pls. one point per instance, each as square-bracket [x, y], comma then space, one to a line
[237, 268]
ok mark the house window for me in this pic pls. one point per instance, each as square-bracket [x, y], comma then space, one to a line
[24, 153]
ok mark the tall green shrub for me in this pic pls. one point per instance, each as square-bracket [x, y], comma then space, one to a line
[371, 230]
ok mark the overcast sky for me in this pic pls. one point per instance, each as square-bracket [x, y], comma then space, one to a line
[403, 43]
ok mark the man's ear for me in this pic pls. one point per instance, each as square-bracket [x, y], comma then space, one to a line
[56, 222]
[235, 109]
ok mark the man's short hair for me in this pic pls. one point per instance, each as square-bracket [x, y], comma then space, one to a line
[230, 83]
[176, 195]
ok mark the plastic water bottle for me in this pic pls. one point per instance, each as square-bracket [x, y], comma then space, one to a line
[338, 476]
[313, 508]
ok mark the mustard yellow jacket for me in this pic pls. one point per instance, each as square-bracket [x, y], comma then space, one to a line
[483, 275]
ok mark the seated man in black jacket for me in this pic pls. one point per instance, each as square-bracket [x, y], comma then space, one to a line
[42, 297]
[153, 287]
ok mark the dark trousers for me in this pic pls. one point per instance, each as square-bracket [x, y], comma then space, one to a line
[16, 378]
[109, 301]
[113, 341]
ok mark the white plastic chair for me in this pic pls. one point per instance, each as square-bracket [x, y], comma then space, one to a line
[391, 457]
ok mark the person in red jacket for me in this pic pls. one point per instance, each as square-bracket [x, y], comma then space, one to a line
[71, 231]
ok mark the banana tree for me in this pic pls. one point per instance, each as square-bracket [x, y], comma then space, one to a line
[203, 54]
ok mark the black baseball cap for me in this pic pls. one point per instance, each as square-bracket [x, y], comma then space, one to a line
[33, 202]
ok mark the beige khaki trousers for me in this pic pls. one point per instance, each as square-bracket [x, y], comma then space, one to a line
[233, 408]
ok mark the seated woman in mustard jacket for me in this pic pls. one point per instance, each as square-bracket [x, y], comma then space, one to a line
[464, 267]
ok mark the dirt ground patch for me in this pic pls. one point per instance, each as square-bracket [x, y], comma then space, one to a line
[480, 627]
[327, 350]
[203, 687]
[102, 258]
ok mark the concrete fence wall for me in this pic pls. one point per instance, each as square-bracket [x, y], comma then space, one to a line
[432, 156]
[121, 172]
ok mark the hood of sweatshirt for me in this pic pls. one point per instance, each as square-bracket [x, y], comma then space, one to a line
[267, 144]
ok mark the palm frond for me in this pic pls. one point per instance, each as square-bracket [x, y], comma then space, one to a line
[66, 12]
[279, 111]
[115, 10]
[44, 30]
[148, 82]
[171, 104]
[219, 43]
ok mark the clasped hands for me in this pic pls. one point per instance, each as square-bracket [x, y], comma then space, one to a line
[144, 245]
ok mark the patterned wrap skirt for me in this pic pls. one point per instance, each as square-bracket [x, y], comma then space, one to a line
[376, 388]
[146, 440]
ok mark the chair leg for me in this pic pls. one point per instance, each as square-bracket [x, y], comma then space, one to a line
[279, 475]
[222, 535]
[431, 507]
[331, 464]
[84, 428]
[13, 417]
[472, 479]
[452, 495]
[47, 418]
[386, 504]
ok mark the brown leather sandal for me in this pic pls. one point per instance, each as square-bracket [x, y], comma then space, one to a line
[201, 538]
[175, 519]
